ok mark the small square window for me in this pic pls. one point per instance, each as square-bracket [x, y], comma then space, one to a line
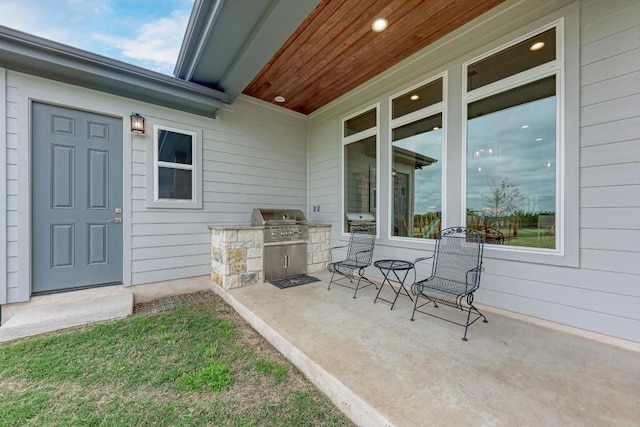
[176, 174]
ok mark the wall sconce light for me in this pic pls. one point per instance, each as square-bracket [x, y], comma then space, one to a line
[137, 124]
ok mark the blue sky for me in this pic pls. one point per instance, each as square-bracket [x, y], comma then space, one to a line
[147, 33]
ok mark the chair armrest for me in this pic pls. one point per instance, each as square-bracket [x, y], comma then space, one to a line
[331, 251]
[477, 269]
[423, 258]
[362, 252]
[338, 247]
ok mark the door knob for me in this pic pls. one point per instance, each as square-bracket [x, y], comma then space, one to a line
[116, 220]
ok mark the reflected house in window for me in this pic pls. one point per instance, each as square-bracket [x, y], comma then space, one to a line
[360, 155]
[405, 165]
[417, 136]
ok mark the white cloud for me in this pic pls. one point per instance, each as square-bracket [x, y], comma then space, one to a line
[156, 43]
[113, 28]
[42, 21]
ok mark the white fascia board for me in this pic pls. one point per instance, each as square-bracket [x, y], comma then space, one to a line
[37, 56]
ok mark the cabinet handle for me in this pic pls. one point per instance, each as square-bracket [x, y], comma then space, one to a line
[284, 261]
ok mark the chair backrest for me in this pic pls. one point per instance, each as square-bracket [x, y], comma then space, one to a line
[459, 250]
[361, 243]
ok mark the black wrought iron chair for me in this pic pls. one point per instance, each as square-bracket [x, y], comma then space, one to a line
[359, 257]
[455, 274]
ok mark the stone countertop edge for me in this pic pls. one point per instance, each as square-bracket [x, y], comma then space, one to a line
[256, 227]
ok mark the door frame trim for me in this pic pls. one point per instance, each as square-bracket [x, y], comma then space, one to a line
[32, 90]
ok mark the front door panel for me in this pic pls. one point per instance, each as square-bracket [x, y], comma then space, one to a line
[76, 187]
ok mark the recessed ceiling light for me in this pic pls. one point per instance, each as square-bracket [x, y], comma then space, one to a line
[538, 139]
[525, 126]
[536, 46]
[436, 127]
[548, 164]
[379, 24]
[279, 98]
[415, 97]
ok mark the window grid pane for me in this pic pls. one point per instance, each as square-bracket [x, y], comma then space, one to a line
[175, 184]
[511, 166]
[360, 182]
[417, 178]
[513, 60]
[174, 147]
[361, 122]
[417, 99]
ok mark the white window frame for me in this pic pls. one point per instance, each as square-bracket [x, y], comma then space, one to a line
[554, 68]
[346, 140]
[439, 108]
[153, 199]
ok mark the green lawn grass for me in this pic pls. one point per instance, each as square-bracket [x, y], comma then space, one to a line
[192, 366]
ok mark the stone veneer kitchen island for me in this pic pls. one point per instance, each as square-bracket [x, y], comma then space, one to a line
[237, 253]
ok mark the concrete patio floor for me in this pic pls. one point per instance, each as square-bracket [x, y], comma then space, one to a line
[382, 369]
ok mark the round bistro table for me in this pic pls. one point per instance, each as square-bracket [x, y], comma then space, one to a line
[400, 270]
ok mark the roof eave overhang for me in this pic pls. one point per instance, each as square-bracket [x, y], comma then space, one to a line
[34, 55]
[278, 21]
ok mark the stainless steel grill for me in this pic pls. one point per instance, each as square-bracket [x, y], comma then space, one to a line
[281, 224]
[360, 218]
[285, 241]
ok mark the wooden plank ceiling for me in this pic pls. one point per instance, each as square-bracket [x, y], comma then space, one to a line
[334, 50]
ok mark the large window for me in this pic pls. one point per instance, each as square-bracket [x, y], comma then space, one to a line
[416, 161]
[176, 168]
[512, 147]
[360, 145]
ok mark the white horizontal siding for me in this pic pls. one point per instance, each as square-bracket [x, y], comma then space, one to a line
[617, 87]
[253, 156]
[600, 301]
[610, 67]
[601, 19]
[614, 240]
[10, 183]
[170, 274]
[611, 154]
[614, 197]
[609, 175]
[169, 251]
[596, 321]
[4, 175]
[603, 293]
[324, 171]
[612, 45]
[175, 240]
[603, 133]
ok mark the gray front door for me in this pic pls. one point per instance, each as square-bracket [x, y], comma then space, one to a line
[77, 196]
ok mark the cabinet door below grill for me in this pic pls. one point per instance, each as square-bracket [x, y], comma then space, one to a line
[287, 260]
[274, 262]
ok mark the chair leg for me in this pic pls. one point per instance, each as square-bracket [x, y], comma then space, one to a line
[331, 281]
[357, 287]
[484, 319]
[466, 326]
[415, 306]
